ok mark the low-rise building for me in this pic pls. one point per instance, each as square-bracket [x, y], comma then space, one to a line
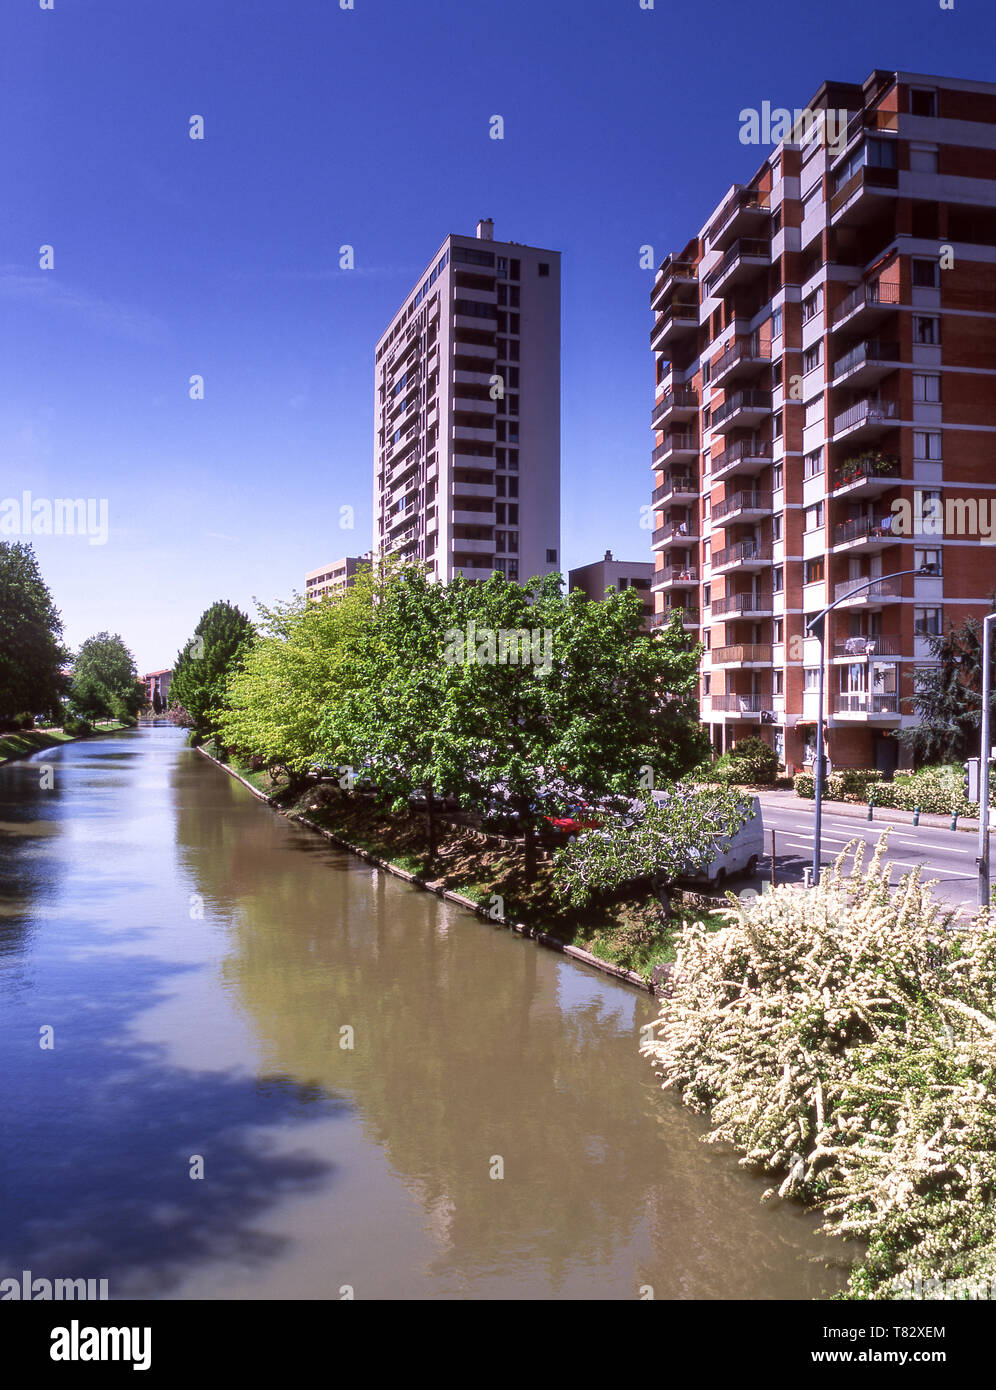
[608, 573]
[333, 577]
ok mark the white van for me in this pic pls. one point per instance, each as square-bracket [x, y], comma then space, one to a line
[736, 854]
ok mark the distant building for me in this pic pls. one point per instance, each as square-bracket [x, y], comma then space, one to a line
[607, 573]
[157, 682]
[336, 575]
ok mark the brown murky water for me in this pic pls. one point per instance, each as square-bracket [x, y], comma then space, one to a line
[204, 964]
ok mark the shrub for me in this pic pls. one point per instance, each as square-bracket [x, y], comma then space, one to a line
[76, 727]
[844, 1040]
[755, 759]
[937, 791]
[805, 785]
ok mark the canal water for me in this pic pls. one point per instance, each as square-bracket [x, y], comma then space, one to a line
[384, 1096]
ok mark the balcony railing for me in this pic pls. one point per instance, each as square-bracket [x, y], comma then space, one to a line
[675, 574]
[741, 704]
[740, 654]
[672, 272]
[688, 616]
[679, 439]
[676, 530]
[868, 176]
[737, 554]
[858, 647]
[680, 398]
[744, 349]
[883, 588]
[741, 200]
[860, 470]
[870, 351]
[678, 312]
[680, 483]
[742, 449]
[744, 247]
[862, 527]
[741, 603]
[741, 400]
[865, 412]
[864, 702]
[866, 295]
[742, 502]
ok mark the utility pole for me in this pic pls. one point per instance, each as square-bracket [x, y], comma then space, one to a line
[984, 754]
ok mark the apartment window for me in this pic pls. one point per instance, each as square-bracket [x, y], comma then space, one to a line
[544, 269]
[513, 431]
[706, 373]
[502, 265]
[471, 256]
[513, 513]
[778, 683]
[812, 677]
[926, 274]
[814, 517]
[778, 579]
[500, 513]
[706, 419]
[881, 153]
[707, 685]
[923, 161]
[926, 329]
[815, 411]
[776, 526]
[501, 485]
[814, 463]
[926, 388]
[513, 487]
[776, 425]
[706, 595]
[813, 357]
[927, 622]
[708, 639]
[501, 538]
[926, 506]
[551, 557]
[778, 627]
[502, 348]
[923, 101]
[778, 476]
[513, 541]
[923, 559]
[514, 269]
[813, 571]
[513, 296]
[512, 404]
[513, 460]
[776, 323]
[927, 444]
[812, 305]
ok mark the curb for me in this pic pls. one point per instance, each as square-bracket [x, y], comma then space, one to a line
[884, 815]
[553, 943]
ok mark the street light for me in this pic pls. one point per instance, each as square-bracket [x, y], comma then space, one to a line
[984, 752]
[817, 626]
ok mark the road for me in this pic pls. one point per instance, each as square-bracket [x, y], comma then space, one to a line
[945, 855]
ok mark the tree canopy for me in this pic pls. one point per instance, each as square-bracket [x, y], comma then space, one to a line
[31, 649]
[221, 639]
[105, 682]
[948, 697]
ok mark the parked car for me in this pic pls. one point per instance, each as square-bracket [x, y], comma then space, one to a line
[577, 819]
[735, 854]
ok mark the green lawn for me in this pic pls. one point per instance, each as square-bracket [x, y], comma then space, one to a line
[31, 740]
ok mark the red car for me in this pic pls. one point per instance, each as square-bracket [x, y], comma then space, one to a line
[579, 819]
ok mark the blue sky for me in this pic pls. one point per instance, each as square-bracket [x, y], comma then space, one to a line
[219, 257]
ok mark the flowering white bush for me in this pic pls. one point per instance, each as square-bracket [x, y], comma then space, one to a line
[844, 1038]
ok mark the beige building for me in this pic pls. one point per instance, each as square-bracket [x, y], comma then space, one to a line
[336, 575]
[608, 573]
[467, 413]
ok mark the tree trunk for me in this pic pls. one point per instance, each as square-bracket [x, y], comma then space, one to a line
[430, 813]
[529, 865]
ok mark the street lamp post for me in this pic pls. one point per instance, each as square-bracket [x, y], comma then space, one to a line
[817, 626]
[984, 752]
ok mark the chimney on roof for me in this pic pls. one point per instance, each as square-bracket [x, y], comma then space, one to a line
[486, 229]
[608, 555]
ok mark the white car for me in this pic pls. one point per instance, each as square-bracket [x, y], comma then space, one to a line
[735, 854]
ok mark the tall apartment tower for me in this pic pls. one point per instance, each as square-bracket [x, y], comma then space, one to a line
[826, 354]
[467, 413]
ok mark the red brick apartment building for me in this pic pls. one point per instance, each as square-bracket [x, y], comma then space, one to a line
[826, 348]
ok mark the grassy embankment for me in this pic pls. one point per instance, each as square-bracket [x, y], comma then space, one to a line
[27, 741]
[628, 929]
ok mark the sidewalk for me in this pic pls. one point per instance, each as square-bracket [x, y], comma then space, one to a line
[882, 815]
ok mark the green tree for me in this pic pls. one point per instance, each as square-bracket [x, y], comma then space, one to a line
[947, 698]
[157, 702]
[31, 649]
[105, 681]
[221, 639]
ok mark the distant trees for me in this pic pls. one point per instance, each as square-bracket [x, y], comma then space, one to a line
[105, 682]
[948, 698]
[31, 649]
[221, 639]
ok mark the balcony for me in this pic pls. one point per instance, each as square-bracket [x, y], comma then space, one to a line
[677, 321]
[672, 575]
[469, 434]
[882, 591]
[743, 706]
[675, 533]
[470, 405]
[460, 517]
[744, 409]
[864, 195]
[865, 648]
[741, 654]
[674, 487]
[865, 419]
[475, 350]
[866, 364]
[679, 444]
[742, 261]
[868, 533]
[741, 605]
[865, 706]
[745, 210]
[680, 403]
[864, 306]
[746, 355]
[473, 489]
[689, 617]
[865, 476]
[742, 506]
[672, 273]
[745, 555]
[467, 546]
[743, 456]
